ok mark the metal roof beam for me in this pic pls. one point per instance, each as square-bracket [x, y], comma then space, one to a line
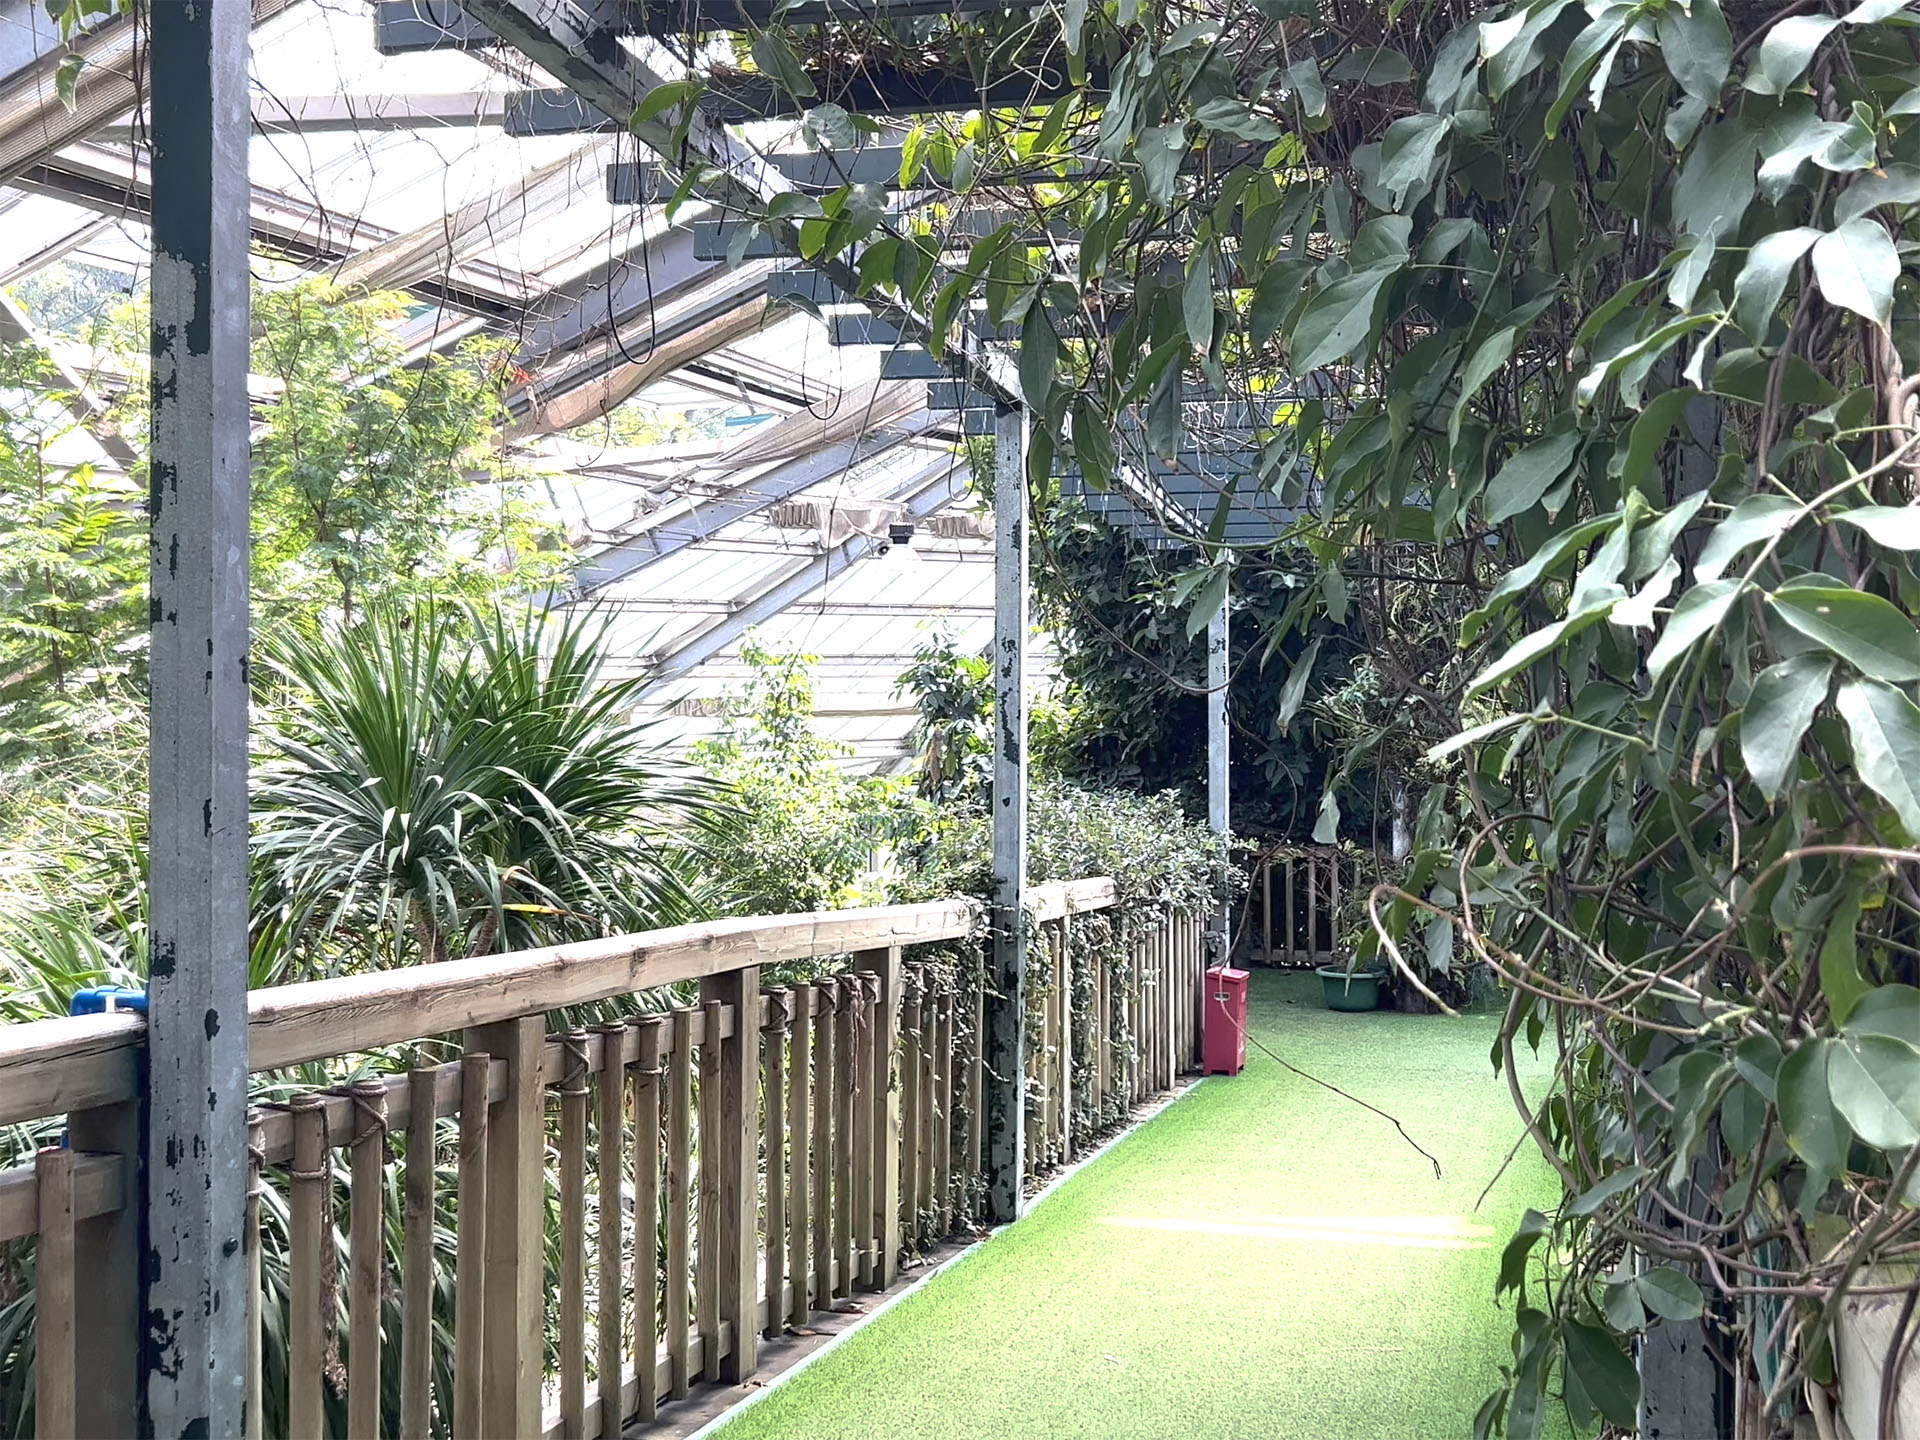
[927, 490]
[36, 124]
[696, 522]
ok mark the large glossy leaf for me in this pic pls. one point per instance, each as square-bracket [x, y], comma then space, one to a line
[1716, 181]
[1888, 1010]
[1408, 151]
[1897, 527]
[1776, 717]
[1758, 517]
[1669, 1293]
[1763, 279]
[1864, 630]
[1513, 1259]
[1528, 475]
[1875, 1083]
[1295, 688]
[1884, 726]
[1338, 320]
[1590, 1200]
[1857, 266]
[1786, 51]
[1604, 1372]
[1697, 46]
[1814, 1128]
[1700, 610]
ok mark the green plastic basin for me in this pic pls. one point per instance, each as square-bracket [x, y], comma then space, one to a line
[1358, 990]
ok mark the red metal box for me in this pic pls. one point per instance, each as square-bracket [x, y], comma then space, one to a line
[1224, 1029]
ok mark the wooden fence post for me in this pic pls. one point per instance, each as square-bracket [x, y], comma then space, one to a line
[884, 965]
[515, 1284]
[739, 1169]
[107, 1252]
[56, 1380]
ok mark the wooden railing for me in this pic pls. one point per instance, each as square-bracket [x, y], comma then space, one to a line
[629, 1207]
[1299, 889]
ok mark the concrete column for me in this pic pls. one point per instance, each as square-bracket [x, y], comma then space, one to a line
[1006, 1051]
[194, 1313]
[1218, 738]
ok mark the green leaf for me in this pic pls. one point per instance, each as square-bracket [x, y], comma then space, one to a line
[1160, 150]
[1786, 52]
[1898, 185]
[1589, 62]
[777, 62]
[1209, 596]
[1776, 717]
[1648, 435]
[1864, 630]
[1894, 527]
[1372, 65]
[1407, 153]
[1756, 518]
[1338, 319]
[662, 98]
[1697, 47]
[1888, 1010]
[1884, 726]
[1303, 79]
[1840, 979]
[1528, 475]
[1622, 1180]
[1474, 734]
[1039, 358]
[1875, 1083]
[829, 127]
[1671, 1294]
[1716, 182]
[1484, 364]
[1529, 571]
[1604, 1372]
[1512, 43]
[1763, 279]
[1326, 825]
[913, 155]
[1226, 116]
[1196, 302]
[1815, 1130]
[1513, 1259]
[1522, 654]
[1857, 266]
[1699, 612]
[1653, 541]
[1295, 689]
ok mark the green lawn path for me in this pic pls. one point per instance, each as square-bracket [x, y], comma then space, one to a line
[1263, 1259]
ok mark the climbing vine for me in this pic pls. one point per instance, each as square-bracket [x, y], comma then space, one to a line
[1594, 322]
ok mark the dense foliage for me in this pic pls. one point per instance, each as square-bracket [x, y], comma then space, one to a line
[1595, 326]
[799, 832]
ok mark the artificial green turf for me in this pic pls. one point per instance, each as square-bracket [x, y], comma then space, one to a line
[1249, 1321]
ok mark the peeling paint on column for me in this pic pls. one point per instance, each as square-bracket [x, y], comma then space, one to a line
[1219, 671]
[194, 1342]
[1006, 1005]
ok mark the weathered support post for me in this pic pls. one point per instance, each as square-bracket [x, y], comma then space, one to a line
[1218, 818]
[1006, 1063]
[735, 1156]
[195, 1322]
[884, 965]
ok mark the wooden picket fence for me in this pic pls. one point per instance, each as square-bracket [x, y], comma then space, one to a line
[1299, 888]
[719, 1171]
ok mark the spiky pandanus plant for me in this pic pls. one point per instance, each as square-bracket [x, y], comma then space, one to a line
[458, 781]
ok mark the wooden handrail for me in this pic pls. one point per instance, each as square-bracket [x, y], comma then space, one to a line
[48, 1067]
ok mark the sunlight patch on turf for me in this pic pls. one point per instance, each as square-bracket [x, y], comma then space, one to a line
[1415, 1232]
